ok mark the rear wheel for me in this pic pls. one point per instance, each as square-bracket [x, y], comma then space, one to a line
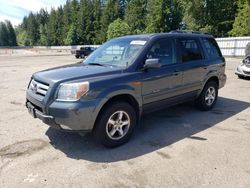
[208, 96]
[77, 56]
[115, 124]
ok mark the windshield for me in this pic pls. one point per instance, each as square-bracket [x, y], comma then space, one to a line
[119, 52]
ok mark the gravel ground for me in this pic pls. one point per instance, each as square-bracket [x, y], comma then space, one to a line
[176, 147]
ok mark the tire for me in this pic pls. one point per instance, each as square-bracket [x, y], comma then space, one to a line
[82, 56]
[207, 97]
[77, 56]
[240, 77]
[109, 130]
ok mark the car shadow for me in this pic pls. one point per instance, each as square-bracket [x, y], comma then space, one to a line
[155, 131]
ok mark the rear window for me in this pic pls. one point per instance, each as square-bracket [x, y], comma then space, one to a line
[212, 48]
[190, 50]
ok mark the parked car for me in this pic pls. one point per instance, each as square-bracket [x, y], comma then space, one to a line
[243, 69]
[84, 52]
[126, 77]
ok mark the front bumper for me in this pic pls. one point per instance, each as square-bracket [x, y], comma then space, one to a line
[243, 71]
[70, 116]
[35, 113]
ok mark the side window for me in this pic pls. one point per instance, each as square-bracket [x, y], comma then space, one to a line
[212, 48]
[162, 50]
[190, 50]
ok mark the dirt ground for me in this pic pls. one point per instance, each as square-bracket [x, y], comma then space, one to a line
[176, 147]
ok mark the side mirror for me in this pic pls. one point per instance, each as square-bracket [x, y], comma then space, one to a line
[151, 64]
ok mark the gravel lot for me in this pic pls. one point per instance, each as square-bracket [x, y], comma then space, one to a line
[176, 147]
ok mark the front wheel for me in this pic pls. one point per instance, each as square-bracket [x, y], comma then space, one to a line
[115, 124]
[208, 96]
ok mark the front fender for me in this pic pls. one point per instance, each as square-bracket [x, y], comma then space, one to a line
[116, 90]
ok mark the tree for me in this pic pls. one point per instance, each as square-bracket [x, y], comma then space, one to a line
[44, 39]
[135, 15]
[242, 21]
[3, 35]
[118, 28]
[71, 38]
[110, 13]
[11, 34]
[163, 16]
[67, 18]
[7, 34]
[213, 16]
[32, 29]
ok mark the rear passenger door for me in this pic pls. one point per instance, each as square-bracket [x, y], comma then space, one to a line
[191, 57]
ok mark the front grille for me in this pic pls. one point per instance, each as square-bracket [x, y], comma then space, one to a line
[38, 87]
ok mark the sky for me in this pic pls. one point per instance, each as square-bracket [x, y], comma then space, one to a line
[15, 10]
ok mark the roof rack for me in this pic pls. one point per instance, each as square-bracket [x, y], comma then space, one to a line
[188, 31]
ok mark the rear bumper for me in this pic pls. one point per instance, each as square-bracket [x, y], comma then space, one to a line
[223, 79]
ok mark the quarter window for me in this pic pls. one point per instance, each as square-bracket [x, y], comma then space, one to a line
[190, 50]
[212, 48]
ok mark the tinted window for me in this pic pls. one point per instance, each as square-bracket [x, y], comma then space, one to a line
[162, 50]
[190, 50]
[212, 48]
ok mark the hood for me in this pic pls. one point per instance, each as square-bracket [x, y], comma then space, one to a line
[74, 72]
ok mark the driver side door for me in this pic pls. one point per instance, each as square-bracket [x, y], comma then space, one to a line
[161, 84]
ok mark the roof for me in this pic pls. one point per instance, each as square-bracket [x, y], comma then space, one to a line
[172, 33]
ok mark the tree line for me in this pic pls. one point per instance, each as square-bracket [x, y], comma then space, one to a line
[7, 34]
[95, 21]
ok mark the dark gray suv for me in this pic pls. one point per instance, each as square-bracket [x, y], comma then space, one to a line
[109, 91]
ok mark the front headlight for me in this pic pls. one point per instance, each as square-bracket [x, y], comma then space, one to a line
[72, 91]
[242, 63]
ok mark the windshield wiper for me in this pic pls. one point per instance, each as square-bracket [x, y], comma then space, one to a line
[98, 64]
[103, 65]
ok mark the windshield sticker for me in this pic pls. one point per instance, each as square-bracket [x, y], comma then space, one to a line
[138, 42]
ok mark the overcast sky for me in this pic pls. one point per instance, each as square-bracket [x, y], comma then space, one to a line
[15, 10]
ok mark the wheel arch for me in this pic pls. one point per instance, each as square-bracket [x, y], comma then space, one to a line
[130, 99]
[211, 78]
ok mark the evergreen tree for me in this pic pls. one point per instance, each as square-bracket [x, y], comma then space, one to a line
[85, 21]
[67, 18]
[110, 13]
[163, 16]
[135, 15]
[211, 16]
[71, 38]
[242, 21]
[3, 35]
[33, 29]
[44, 39]
[97, 13]
[11, 33]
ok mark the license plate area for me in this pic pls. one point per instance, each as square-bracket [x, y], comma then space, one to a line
[31, 110]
